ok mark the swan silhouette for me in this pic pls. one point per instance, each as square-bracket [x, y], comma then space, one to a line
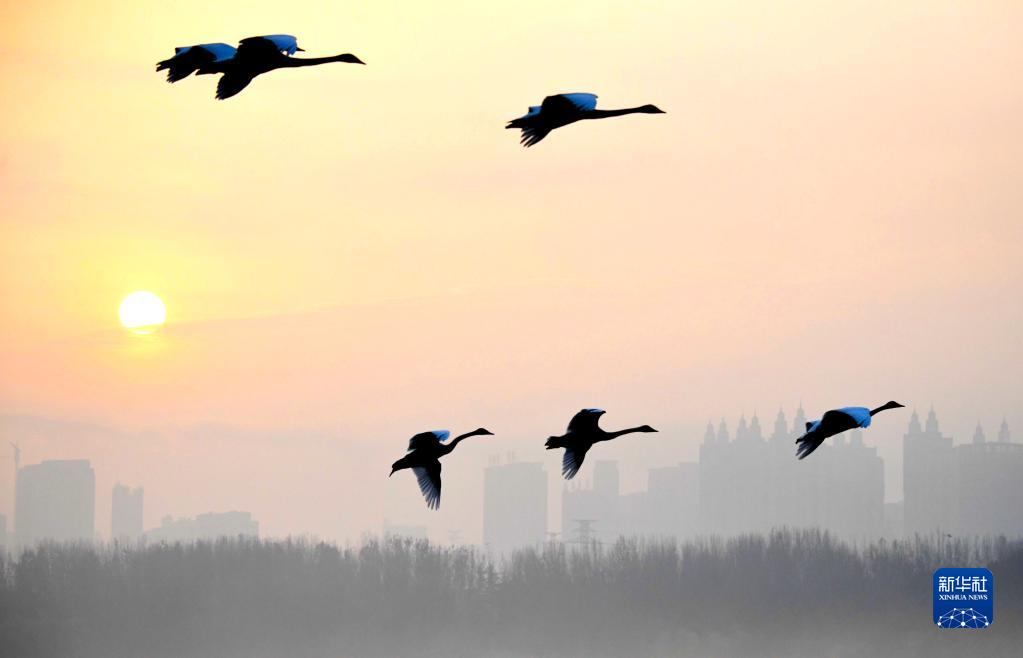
[424, 452]
[583, 431]
[835, 422]
[562, 109]
[253, 57]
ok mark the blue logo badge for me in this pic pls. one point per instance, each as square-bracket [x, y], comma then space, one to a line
[964, 598]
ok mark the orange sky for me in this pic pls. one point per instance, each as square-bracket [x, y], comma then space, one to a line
[828, 212]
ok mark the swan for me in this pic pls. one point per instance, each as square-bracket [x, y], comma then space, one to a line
[424, 452]
[253, 57]
[835, 422]
[562, 109]
[583, 431]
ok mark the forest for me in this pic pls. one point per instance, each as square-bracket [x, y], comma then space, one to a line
[787, 593]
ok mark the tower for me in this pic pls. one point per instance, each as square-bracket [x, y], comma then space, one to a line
[799, 422]
[928, 474]
[781, 428]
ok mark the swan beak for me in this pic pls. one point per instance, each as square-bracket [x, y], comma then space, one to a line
[391, 473]
[301, 50]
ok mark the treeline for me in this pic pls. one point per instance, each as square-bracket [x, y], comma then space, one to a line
[790, 593]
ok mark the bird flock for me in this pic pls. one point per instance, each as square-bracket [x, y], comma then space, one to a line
[255, 56]
[258, 55]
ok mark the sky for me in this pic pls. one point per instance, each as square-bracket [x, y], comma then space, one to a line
[828, 214]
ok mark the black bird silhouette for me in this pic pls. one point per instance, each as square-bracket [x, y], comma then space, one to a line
[835, 422]
[583, 432]
[254, 56]
[424, 452]
[562, 109]
[211, 57]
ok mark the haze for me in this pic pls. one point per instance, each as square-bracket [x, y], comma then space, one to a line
[828, 213]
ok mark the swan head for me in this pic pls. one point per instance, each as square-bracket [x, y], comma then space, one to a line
[892, 404]
[645, 428]
[349, 58]
[483, 432]
[651, 109]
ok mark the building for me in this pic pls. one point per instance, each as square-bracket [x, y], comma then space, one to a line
[514, 505]
[852, 488]
[55, 500]
[126, 513]
[750, 484]
[927, 477]
[671, 504]
[988, 481]
[205, 527]
[593, 513]
[3, 535]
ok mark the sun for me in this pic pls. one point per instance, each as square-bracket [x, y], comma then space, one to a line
[142, 312]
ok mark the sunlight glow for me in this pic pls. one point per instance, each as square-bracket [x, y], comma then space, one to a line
[142, 312]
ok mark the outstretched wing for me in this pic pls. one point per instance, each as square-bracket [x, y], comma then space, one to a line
[429, 483]
[582, 101]
[284, 43]
[572, 461]
[231, 83]
[808, 443]
[859, 415]
[189, 59]
[585, 421]
[533, 134]
[271, 45]
[427, 440]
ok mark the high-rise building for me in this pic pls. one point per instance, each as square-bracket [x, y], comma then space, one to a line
[3, 534]
[928, 473]
[753, 485]
[852, 489]
[597, 507]
[55, 500]
[671, 504]
[988, 477]
[126, 513]
[514, 505]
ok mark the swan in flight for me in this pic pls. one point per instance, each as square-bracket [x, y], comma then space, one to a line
[583, 431]
[253, 57]
[835, 422]
[424, 452]
[562, 109]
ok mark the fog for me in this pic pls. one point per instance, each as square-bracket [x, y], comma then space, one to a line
[784, 593]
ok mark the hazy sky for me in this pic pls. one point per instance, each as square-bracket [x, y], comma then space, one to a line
[829, 212]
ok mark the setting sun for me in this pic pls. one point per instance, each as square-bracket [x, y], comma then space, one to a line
[142, 312]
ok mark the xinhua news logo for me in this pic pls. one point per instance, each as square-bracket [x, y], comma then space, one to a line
[964, 598]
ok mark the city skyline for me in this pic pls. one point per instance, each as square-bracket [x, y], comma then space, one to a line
[768, 450]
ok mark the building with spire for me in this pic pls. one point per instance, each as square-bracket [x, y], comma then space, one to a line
[927, 477]
[1003, 432]
[988, 479]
